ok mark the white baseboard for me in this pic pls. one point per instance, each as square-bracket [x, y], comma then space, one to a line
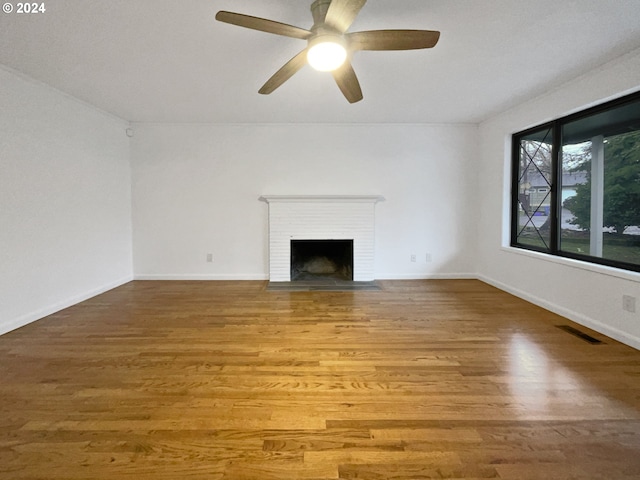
[13, 324]
[434, 276]
[194, 276]
[577, 317]
[265, 276]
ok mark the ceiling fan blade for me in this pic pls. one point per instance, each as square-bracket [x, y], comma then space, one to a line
[393, 39]
[342, 13]
[262, 24]
[349, 85]
[285, 73]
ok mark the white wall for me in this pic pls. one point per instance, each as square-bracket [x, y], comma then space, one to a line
[196, 189]
[590, 295]
[65, 201]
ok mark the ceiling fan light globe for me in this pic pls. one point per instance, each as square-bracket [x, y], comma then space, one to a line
[326, 56]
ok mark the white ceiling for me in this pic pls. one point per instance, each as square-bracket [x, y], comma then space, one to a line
[170, 61]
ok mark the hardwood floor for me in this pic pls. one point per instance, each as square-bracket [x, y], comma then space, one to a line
[225, 380]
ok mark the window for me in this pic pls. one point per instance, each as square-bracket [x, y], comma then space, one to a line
[576, 186]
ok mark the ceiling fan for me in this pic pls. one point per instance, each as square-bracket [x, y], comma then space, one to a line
[329, 46]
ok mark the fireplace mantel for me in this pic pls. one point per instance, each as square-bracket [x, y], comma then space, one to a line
[321, 217]
[321, 198]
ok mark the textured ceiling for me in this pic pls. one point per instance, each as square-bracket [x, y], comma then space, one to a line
[170, 61]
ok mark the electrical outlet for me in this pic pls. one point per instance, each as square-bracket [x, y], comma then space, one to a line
[427, 258]
[629, 303]
[413, 257]
[209, 257]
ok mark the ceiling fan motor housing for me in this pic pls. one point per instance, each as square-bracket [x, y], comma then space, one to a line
[323, 33]
[325, 36]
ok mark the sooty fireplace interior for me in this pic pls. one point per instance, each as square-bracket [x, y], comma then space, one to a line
[316, 259]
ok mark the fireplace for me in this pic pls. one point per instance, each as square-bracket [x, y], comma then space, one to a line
[327, 218]
[321, 259]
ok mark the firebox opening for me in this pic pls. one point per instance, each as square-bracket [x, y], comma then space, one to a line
[318, 259]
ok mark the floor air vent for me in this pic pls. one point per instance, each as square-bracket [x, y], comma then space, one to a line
[579, 334]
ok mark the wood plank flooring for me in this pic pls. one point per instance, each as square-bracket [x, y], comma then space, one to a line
[226, 380]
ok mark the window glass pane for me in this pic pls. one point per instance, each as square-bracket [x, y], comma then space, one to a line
[534, 189]
[601, 185]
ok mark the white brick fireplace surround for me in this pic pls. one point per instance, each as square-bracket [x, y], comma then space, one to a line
[321, 217]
